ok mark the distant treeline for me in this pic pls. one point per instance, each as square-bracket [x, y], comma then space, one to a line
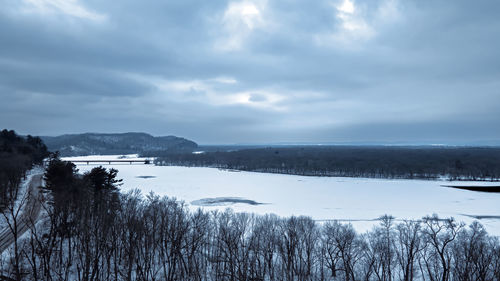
[93, 232]
[454, 163]
[17, 155]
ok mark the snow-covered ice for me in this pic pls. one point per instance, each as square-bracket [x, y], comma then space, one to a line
[357, 200]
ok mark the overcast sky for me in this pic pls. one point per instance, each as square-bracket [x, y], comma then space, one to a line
[253, 71]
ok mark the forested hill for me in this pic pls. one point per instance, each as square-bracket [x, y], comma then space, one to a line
[126, 143]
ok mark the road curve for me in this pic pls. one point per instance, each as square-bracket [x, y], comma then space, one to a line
[29, 213]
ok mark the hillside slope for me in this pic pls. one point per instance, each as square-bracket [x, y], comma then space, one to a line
[126, 143]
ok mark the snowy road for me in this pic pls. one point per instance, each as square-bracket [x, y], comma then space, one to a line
[29, 213]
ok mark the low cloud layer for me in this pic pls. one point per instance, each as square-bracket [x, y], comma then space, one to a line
[253, 71]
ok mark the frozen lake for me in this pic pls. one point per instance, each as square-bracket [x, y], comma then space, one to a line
[357, 200]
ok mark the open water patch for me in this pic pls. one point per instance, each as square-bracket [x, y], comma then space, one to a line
[479, 188]
[483, 217]
[224, 201]
[146, 177]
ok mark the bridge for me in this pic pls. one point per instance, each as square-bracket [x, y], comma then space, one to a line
[113, 161]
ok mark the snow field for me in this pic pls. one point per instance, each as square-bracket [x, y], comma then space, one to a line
[359, 201]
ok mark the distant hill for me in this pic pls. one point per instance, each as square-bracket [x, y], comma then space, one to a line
[126, 143]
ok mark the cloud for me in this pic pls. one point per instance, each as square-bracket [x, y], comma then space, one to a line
[352, 22]
[252, 70]
[70, 8]
[238, 21]
[257, 98]
[357, 23]
[218, 91]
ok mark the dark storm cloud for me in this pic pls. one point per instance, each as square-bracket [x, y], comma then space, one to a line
[253, 70]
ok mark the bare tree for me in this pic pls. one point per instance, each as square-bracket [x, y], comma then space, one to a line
[407, 246]
[439, 234]
[345, 247]
[473, 254]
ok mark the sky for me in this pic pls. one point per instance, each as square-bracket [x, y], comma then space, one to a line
[254, 71]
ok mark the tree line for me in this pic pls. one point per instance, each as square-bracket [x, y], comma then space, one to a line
[91, 231]
[17, 156]
[453, 163]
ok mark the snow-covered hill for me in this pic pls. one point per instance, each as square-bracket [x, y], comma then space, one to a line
[126, 143]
